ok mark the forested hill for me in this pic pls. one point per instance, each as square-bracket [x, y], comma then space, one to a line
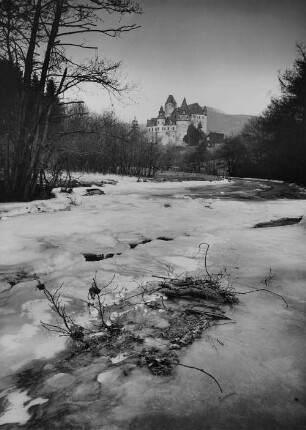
[224, 123]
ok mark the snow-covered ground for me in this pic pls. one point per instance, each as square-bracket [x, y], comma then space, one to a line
[261, 364]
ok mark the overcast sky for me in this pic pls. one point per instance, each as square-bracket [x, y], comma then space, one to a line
[220, 53]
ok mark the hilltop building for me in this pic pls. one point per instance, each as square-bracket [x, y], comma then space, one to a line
[172, 122]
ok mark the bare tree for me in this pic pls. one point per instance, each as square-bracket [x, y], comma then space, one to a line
[34, 37]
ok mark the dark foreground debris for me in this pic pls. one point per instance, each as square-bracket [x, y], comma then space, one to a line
[279, 222]
[152, 326]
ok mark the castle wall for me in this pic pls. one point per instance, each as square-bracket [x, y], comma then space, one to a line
[181, 130]
[166, 134]
[174, 134]
[169, 134]
[196, 119]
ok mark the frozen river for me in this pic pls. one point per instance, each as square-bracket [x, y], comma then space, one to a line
[261, 364]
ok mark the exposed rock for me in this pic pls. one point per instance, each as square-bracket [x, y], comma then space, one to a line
[143, 242]
[110, 182]
[85, 184]
[279, 222]
[98, 257]
[94, 192]
[93, 257]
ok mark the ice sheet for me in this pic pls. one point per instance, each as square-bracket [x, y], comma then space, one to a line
[51, 245]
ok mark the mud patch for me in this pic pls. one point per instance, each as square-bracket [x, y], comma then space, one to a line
[278, 222]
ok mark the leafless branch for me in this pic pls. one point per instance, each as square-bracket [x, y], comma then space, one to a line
[267, 291]
[203, 371]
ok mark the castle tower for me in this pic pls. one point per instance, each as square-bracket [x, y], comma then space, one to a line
[161, 116]
[170, 105]
[182, 121]
[183, 112]
[184, 107]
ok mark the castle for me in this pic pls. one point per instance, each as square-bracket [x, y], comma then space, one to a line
[172, 122]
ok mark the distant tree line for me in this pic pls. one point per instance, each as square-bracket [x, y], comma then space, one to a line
[102, 143]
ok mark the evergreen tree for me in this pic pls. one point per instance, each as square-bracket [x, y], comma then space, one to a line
[275, 142]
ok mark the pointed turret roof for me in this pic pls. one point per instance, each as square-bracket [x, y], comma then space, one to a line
[171, 99]
[161, 113]
[184, 107]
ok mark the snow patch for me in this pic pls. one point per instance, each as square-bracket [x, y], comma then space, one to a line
[17, 411]
[119, 358]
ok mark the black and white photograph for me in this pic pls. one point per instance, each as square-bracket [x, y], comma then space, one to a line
[152, 214]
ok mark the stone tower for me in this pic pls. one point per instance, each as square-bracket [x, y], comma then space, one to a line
[182, 121]
[170, 105]
[161, 116]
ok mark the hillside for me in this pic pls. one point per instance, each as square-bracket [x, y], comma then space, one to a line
[225, 123]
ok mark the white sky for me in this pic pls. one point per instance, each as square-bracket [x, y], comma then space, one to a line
[220, 53]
